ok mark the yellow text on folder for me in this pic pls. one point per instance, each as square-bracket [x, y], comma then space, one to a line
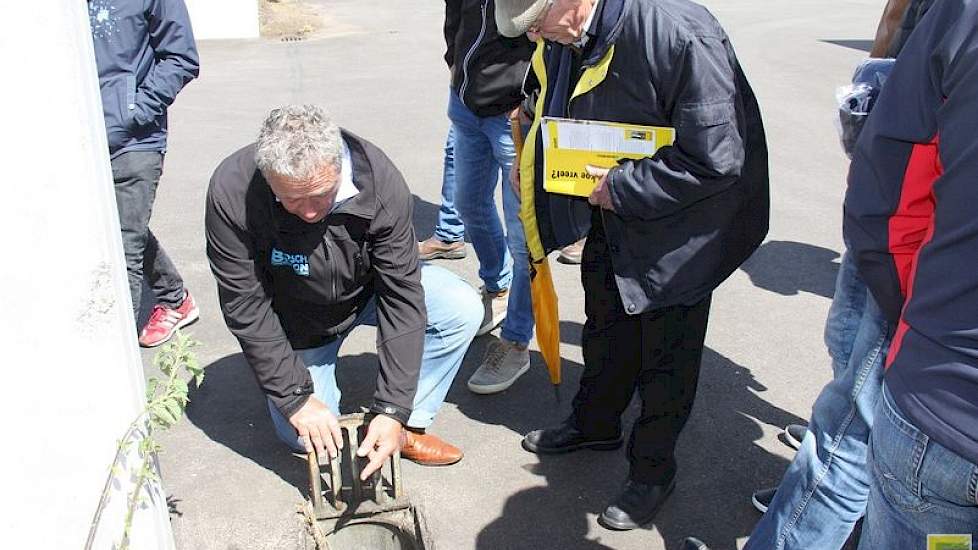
[571, 145]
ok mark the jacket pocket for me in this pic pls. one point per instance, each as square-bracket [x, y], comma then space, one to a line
[704, 115]
[708, 132]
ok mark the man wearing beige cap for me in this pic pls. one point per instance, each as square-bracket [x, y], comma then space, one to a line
[662, 231]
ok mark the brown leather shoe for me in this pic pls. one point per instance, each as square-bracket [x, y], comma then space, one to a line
[434, 249]
[428, 450]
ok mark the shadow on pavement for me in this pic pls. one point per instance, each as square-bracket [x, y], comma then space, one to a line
[527, 403]
[861, 45]
[787, 268]
[425, 217]
[720, 464]
[231, 410]
[570, 332]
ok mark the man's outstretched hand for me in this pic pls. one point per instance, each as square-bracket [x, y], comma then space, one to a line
[382, 439]
[318, 428]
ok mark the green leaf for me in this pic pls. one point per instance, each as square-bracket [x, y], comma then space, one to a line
[180, 385]
[162, 415]
[175, 409]
[170, 418]
[151, 387]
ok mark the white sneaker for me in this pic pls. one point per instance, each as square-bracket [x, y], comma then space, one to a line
[504, 362]
[495, 304]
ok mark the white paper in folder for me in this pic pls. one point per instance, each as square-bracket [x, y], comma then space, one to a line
[595, 136]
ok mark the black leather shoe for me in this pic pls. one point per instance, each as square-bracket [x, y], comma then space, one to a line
[636, 505]
[692, 543]
[564, 439]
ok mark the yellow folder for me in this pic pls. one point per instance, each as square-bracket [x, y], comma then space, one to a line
[569, 146]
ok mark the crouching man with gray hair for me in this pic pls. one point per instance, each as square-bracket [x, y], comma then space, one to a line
[309, 235]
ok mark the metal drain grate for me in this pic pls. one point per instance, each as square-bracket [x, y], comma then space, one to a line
[375, 514]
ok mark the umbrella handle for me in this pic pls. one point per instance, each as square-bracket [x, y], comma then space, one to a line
[516, 128]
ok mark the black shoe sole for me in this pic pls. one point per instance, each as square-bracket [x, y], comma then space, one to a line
[615, 525]
[758, 505]
[600, 445]
[568, 261]
[790, 440]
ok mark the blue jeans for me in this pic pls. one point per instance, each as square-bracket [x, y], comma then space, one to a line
[919, 487]
[825, 489]
[483, 152]
[450, 228]
[454, 315]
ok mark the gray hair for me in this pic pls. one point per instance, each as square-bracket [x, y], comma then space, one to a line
[297, 142]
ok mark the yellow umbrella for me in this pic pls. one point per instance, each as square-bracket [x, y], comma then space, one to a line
[541, 280]
[546, 316]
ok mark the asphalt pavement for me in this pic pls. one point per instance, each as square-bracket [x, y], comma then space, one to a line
[378, 68]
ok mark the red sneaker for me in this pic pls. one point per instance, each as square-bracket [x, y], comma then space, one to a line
[164, 322]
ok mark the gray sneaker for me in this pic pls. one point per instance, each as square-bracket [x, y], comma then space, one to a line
[504, 362]
[495, 304]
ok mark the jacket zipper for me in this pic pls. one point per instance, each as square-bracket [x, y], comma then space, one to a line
[468, 55]
[332, 267]
[526, 75]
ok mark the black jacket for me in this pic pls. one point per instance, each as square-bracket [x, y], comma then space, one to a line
[285, 284]
[488, 70]
[688, 216]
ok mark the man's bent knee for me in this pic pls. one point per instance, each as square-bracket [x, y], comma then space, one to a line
[450, 301]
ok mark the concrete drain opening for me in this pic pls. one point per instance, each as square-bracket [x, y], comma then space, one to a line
[348, 514]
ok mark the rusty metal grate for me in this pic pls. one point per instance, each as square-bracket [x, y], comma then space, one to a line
[376, 513]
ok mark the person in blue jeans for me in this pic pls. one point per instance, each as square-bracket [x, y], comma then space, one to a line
[825, 489]
[484, 150]
[447, 242]
[917, 158]
[488, 73]
[920, 488]
[309, 235]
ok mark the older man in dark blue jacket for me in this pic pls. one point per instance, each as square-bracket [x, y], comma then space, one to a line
[145, 53]
[662, 231]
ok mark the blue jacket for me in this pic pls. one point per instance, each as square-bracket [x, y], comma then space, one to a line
[688, 216]
[910, 223]
[146, 54]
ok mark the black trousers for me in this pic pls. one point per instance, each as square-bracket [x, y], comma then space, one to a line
[656, 353]
[136, 176]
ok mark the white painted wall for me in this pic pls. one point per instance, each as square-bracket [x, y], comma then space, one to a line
[224, 18]
[72, 375]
